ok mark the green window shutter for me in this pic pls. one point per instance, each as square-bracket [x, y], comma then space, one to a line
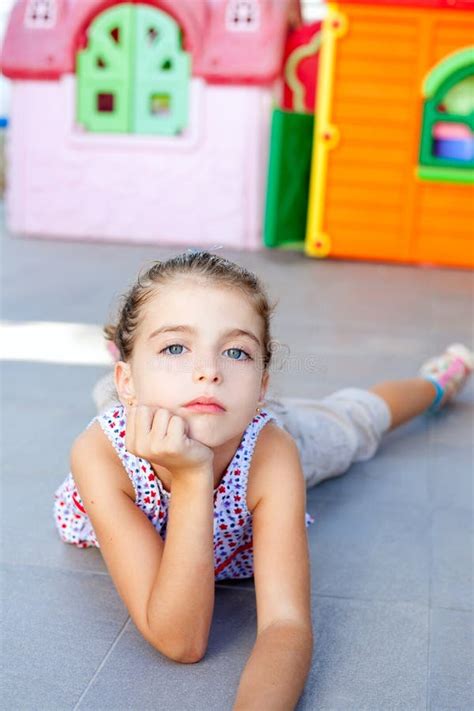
[104, 72]
[161, 74]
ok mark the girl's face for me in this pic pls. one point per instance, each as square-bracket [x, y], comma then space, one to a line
[198, 356]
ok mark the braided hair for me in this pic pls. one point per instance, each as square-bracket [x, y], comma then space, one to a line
[207, 268]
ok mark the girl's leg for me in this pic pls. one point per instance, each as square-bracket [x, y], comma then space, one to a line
[405, 398]
[348, 425]
[440, 380]
[331, 433]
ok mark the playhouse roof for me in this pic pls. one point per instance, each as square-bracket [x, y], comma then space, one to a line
[428, 4]
[219, 54]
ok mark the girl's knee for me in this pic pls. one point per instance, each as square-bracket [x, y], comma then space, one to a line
[326, 441]
[366, 414]
[376, 411]
[334, 432]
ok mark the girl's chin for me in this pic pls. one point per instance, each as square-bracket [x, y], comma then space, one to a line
[205, 431]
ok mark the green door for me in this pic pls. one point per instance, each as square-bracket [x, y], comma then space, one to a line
[134, 75]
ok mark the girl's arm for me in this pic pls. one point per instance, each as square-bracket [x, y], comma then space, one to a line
[278, 666]
[167, 587]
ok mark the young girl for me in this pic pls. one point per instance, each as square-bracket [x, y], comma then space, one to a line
[187, 446]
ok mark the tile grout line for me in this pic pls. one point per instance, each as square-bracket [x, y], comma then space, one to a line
[101, 665]
[54, 568]
[358, 598]
[430, 576]
[243, 587]
[315, 594]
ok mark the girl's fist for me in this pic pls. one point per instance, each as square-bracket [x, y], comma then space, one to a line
[159, 436]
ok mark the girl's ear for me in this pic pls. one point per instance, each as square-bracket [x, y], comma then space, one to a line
[124, 382]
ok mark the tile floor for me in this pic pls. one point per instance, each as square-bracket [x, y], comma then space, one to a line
[391, 551]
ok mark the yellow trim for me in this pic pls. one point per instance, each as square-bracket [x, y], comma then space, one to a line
[326, 135]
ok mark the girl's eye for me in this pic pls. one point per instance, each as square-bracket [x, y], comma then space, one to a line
[239, 350]
[173, 345]
[229, 350]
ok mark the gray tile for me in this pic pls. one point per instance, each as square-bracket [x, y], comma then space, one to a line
[371, 552]
[57, 629]
[451, 661]
[88, 278]
[452, 311]
[410, 440]
[454, 330]
[397, 474]
[316, 371]
[454, 424]
[386, 479]
[357, 669]
[317, 374]
[390, 535]
[449, 283]
[369, 656]
[398, 295]
[450, 476]
[137, 676]
[452, 541]
[51, 386]
[29, 535]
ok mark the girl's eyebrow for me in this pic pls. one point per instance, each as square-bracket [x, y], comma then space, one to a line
[181, 328]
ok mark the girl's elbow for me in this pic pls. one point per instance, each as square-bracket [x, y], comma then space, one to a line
[182, 655]
[192, 658]
[195, 654]
[187, 657]
[178, 647]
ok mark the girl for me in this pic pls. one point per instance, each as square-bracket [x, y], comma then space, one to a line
[188, 447]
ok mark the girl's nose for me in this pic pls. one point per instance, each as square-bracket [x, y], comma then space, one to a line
[207, 371]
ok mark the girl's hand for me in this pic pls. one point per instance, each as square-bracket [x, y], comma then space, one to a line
[160, 437]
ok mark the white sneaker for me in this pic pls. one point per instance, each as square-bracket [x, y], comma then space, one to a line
[449, 373]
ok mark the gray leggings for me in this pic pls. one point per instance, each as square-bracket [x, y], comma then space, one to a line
[331, 433]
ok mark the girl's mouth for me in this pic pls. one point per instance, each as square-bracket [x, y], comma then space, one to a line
[205, 409]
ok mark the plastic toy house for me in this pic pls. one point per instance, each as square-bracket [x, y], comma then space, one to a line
[144, 121]
[393, 150]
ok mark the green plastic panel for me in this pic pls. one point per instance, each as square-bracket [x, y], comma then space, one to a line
[446, 175]
[133, 76]
[163, 70]
[444, 85]
[104, 72]
[289, 170]
[446, 69]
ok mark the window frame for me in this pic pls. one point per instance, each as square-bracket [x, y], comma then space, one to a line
[441, 79]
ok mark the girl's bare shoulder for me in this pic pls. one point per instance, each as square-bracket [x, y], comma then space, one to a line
[94, 441]
[271, 440]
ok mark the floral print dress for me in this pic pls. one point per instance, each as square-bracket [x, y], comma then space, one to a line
[233, 554]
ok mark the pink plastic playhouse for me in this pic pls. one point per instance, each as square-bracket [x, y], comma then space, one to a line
[142, 120]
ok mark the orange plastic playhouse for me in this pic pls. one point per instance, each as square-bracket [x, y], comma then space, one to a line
[393, 151]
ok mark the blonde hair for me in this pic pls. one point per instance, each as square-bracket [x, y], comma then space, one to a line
[204, 266]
